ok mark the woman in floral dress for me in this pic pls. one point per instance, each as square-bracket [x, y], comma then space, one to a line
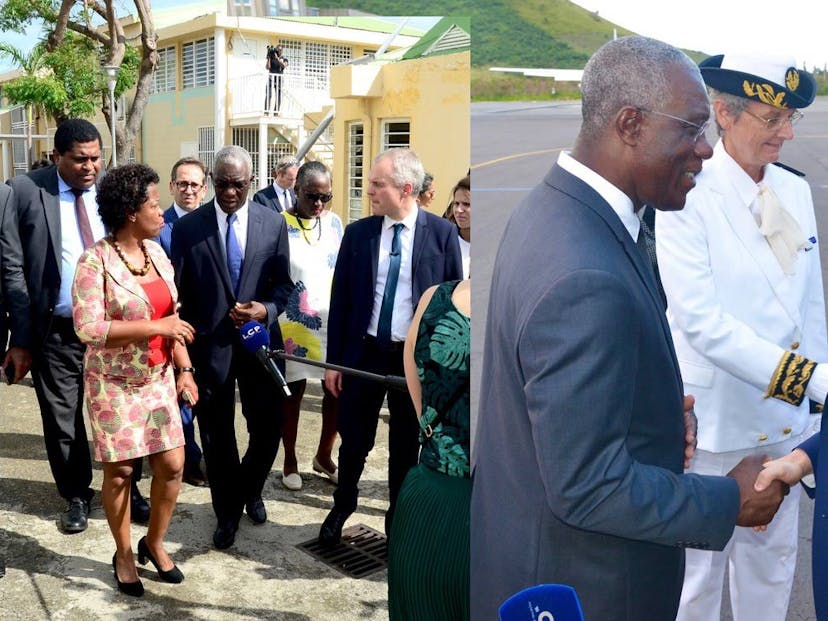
[315, 235]
[124, 310]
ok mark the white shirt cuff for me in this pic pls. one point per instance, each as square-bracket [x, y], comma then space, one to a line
[818, 384]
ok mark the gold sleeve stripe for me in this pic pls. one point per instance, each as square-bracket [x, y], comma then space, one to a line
[791, 378]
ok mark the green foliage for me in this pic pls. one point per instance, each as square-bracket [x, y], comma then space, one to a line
[16, 14]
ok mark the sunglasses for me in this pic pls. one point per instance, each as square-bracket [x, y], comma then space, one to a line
[221, 184]
[313, 197]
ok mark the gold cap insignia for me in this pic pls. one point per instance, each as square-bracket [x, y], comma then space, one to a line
[792, 79]
[765, 93]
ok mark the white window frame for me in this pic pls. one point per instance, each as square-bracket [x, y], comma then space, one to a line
[356, 169]
[198, 67]
[163, 79]
[396, 136]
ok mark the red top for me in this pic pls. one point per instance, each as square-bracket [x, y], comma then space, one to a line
[162, 303]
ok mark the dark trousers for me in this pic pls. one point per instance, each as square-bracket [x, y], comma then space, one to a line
[234, 481]
[57, 372]
[359, 405]
[192, 452]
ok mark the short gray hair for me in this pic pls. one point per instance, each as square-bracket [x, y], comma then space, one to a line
[284, 163]
[733, 104]
[630, 71]
[406, 167]
[236, 155]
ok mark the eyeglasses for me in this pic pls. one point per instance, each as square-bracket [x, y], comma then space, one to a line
[312, 197]
[700, 129]
[183, 186]
[775, 123]
[221, 185]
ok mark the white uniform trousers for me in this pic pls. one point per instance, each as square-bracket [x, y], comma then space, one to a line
[761, 565]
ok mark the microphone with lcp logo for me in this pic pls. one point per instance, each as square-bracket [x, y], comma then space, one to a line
[256, 340]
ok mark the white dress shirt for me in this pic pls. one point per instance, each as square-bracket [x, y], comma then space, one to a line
[71, 244]
[621, 203]
[403, 302]
[239, 227]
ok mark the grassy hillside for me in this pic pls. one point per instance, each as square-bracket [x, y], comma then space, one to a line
[525, 33]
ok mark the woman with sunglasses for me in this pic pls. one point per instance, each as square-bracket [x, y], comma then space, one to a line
[315, 234]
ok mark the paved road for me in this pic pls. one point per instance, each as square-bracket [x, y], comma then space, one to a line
[513, 146]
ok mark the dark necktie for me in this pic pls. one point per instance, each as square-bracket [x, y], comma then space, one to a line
[286, 204]
[646, 243]
[83, 219]
[387, 308]
[234, 254]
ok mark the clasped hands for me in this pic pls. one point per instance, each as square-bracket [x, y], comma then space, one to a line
[763, 484]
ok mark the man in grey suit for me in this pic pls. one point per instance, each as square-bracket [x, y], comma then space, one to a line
[581, 437]
[280, 195]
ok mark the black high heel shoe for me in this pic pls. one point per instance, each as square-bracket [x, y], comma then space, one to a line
[135, 589]
[173, 575]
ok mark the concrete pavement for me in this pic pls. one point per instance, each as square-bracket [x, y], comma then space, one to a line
[50, 575]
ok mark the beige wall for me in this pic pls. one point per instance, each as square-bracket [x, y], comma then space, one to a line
[433, 93]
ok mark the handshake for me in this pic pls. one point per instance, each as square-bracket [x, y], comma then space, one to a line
[761, 491]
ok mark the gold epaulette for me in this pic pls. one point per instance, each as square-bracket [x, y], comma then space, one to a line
[791, 378]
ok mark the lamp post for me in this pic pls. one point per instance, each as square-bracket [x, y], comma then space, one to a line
[111, 79]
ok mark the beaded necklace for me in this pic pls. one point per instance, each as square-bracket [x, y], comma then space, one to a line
[316, 225]
[135, 271]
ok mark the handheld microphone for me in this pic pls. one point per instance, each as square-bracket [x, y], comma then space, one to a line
[256, 340]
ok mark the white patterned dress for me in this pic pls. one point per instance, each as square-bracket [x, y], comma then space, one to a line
[314, 245]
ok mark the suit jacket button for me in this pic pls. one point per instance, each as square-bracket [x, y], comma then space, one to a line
[795, 345]
[763, 437]
[786, 430]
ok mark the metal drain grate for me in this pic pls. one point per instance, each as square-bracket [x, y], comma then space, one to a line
[361, 552]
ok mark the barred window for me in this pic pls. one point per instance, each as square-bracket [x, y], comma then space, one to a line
[340, 54]
[396, 133]
[198, 63]
[248, 138]
[163, 80]
[207, 152]
[355, 170]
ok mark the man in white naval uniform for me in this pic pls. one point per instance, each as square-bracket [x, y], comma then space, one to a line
[740, 267]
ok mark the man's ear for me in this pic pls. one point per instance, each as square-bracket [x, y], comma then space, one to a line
[722, 116]
[628, 124]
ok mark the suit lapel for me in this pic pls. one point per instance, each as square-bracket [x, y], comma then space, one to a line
[587, 196]
[744, 227]
[120, 274]
[374, 244]
[50, 198]
[420, 241]
[211, 235]
[254, 223]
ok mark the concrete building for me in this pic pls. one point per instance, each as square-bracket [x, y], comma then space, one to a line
[211, 86]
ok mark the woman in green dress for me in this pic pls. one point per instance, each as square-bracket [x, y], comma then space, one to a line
[428, 549]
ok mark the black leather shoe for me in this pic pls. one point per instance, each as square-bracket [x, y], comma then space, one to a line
[76, 517]
[139, 509]
[194, 475]
[256, 510]
[225, 535]
[331, 532]
[174, 575]
[135, 589]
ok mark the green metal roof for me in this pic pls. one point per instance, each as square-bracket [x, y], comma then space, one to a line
[448, 36]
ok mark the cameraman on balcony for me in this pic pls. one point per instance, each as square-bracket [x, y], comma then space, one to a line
[276, 67]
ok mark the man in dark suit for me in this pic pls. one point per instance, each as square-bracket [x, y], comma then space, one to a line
[187, 186]
[581, 438]
[231, 262]
[410, 250]
[280, 195]
[58, 218]
[14, 296]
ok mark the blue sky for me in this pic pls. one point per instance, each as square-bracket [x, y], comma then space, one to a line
[26, 40]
